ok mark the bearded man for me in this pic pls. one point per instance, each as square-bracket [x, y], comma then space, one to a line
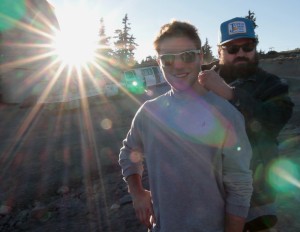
[263, 99]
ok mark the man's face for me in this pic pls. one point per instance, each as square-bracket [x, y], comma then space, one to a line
[237, 52]
[238, 59]
[180, 62]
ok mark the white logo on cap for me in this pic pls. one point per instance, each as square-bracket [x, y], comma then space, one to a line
[237, 28]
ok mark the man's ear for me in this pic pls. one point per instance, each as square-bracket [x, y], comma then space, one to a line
[219, 51]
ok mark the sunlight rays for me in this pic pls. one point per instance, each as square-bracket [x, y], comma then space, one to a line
[76, 42]
[61, 64]
[53, 68]
[26, 61]
[71, 50]
[72, 42]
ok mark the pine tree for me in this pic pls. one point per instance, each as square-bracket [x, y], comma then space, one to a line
[125, 45]
[105, 56]
[104, 49]
[207, 53]
[251, 16]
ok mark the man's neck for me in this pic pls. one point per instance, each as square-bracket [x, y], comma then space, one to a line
[199, 89]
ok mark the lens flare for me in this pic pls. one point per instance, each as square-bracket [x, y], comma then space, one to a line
[28, 35]
[284, 175]
[10, 13]
[73, 50]
[106, 124]
[290, 144]
[75, 44]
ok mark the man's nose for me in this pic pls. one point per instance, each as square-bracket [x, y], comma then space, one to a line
[178, 62]
[240, 52]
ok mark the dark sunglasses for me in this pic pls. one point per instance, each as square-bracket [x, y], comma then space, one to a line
[186, 57]
[233, 49]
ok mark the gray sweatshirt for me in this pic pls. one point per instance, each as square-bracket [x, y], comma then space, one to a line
[197, 155]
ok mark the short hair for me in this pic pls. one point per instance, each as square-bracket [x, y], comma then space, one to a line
[177, 29]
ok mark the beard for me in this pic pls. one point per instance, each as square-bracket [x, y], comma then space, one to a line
[232, 72]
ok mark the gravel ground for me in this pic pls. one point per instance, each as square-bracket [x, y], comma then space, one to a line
[59, 168]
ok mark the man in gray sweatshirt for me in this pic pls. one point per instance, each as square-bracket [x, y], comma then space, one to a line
[194, 145]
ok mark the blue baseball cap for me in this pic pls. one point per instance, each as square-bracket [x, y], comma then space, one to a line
[236, 28]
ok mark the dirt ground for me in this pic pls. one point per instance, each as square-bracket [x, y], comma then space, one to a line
[59, 172]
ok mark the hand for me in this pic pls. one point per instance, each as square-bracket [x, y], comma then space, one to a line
[142, 204]
[234, 223]
[211, 80]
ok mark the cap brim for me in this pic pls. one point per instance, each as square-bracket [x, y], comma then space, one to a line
[238, 37]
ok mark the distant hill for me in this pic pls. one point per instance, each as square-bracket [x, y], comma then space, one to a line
[274, 54]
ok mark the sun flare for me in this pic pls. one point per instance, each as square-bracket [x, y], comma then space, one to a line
[72, 49]
[75, 44]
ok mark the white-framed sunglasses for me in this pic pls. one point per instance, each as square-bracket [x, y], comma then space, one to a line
[186, 56]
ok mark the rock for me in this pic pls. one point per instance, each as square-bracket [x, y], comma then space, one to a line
[40, 213]
[63, 190]
[5, 210]
[115, 206]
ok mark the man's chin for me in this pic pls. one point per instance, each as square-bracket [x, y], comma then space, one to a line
[181, 85]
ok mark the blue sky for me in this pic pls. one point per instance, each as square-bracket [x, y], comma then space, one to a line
[278, 20]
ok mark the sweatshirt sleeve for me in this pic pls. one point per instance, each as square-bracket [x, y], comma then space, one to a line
[131, 153]
[269, 104]
[237, 176]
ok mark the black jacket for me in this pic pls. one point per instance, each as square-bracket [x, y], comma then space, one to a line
[263, 99]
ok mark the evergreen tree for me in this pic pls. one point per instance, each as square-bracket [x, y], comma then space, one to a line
[251, 16]
[104, 50]
[207, 53]
[105, 55]
[125, 45]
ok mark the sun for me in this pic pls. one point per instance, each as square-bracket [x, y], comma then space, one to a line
[73, 49]
[76, 42]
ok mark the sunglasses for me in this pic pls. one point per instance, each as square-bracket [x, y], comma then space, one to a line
[186, 57]
[233, 49]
